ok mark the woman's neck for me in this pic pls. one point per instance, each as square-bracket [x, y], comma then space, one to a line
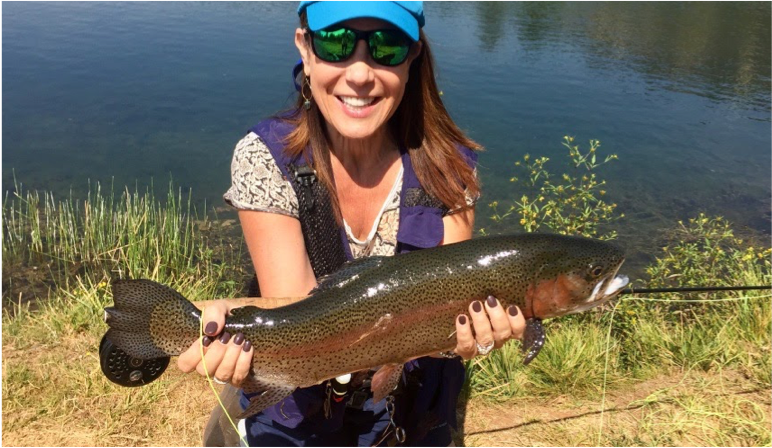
[365, 161]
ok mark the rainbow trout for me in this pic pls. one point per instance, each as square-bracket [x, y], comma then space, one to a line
[380, 311]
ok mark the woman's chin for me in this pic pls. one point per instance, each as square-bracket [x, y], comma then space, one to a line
[357, 131]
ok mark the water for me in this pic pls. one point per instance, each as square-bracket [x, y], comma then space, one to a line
[141, 92]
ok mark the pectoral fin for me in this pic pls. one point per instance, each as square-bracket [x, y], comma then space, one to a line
[268, 394]
[533, 339]
[385, 381]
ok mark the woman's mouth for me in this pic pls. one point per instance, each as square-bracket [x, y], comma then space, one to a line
[358, 106]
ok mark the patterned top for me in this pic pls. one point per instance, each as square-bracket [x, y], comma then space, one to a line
[258, 184]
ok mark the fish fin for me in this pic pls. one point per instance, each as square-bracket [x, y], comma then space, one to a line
[348, 272]
[149, 320]
[533, 339]
[266, 394]
[385, 381]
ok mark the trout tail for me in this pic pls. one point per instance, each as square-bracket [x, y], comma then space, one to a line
[149, 320]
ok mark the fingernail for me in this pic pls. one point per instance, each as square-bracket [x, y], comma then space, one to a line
[205, 341]
[476, 306]
[211, 328]
[247, 346]
[238, 339]
[225, 337]
[512, 310]
[492, 302]
[462, 320]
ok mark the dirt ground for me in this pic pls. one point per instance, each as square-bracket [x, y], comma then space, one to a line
[661, 411]
[174, 413]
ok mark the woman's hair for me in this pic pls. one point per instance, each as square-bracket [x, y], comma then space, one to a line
[421, 123]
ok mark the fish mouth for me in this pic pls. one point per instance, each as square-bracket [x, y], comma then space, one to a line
[606, 289]
[615, 286]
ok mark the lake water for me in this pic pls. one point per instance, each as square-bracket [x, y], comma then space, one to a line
[147, 91]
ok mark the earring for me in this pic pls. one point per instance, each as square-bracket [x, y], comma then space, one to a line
[307, 103]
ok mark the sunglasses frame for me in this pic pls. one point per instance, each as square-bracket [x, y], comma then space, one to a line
[361, 35]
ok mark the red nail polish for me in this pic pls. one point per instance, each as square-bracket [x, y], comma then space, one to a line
[462, 320]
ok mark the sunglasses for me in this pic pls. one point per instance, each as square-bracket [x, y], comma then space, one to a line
[387, 47]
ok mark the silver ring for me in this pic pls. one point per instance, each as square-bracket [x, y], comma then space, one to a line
[219, 381]
[484, 350]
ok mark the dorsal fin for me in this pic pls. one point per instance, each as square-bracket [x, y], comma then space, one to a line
[348, 272]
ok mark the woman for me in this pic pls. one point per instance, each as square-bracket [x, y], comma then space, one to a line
[392, 173]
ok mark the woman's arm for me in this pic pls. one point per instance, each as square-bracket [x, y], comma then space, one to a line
[458, 227]
[278, 253]
[275, 243]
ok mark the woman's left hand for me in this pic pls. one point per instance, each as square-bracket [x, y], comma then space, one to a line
[493, 326]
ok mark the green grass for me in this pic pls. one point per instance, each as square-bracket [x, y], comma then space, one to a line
[571, 362]
[130, 235]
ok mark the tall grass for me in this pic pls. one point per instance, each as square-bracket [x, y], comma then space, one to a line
[133, 235]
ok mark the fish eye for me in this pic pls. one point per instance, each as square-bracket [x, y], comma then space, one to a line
[597, 270]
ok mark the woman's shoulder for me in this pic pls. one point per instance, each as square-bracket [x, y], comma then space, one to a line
[251, 144]
[256, 180]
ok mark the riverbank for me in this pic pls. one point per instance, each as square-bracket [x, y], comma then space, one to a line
[666, 369]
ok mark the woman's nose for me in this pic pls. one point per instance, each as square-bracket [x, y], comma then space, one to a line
[359, 70]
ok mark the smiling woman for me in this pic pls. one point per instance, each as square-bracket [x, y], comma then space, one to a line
[367, 163]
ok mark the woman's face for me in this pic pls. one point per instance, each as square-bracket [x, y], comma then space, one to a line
[357, 96]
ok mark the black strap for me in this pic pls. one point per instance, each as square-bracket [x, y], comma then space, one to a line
[321, 233]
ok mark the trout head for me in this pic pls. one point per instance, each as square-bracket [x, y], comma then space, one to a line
[578, 274]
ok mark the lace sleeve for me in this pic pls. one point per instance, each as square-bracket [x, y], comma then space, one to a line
[256, 181]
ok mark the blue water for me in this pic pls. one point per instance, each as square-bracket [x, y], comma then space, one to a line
[133, 92]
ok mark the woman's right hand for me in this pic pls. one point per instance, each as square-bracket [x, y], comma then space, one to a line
[227, 357]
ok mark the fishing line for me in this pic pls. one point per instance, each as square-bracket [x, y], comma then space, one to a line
[605, 372]
[209, 378]
[738, 299]
[611, 325]
[693, 289]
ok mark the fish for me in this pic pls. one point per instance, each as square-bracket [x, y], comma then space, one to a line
[380, 311]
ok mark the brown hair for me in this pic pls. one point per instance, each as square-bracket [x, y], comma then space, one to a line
[421, 123]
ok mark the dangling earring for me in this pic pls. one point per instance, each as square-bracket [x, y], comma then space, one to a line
[307, 103]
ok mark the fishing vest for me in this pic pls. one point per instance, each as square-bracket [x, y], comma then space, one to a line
[431, 402]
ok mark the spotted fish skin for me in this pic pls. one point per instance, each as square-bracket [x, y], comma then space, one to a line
[380, 310]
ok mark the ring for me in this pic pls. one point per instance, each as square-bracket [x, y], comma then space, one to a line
[219, 381]
[484, 350]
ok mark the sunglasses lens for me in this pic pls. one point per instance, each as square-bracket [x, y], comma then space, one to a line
[389, 47]
[334, 45]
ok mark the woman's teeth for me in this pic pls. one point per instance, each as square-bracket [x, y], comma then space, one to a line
[353, 101]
